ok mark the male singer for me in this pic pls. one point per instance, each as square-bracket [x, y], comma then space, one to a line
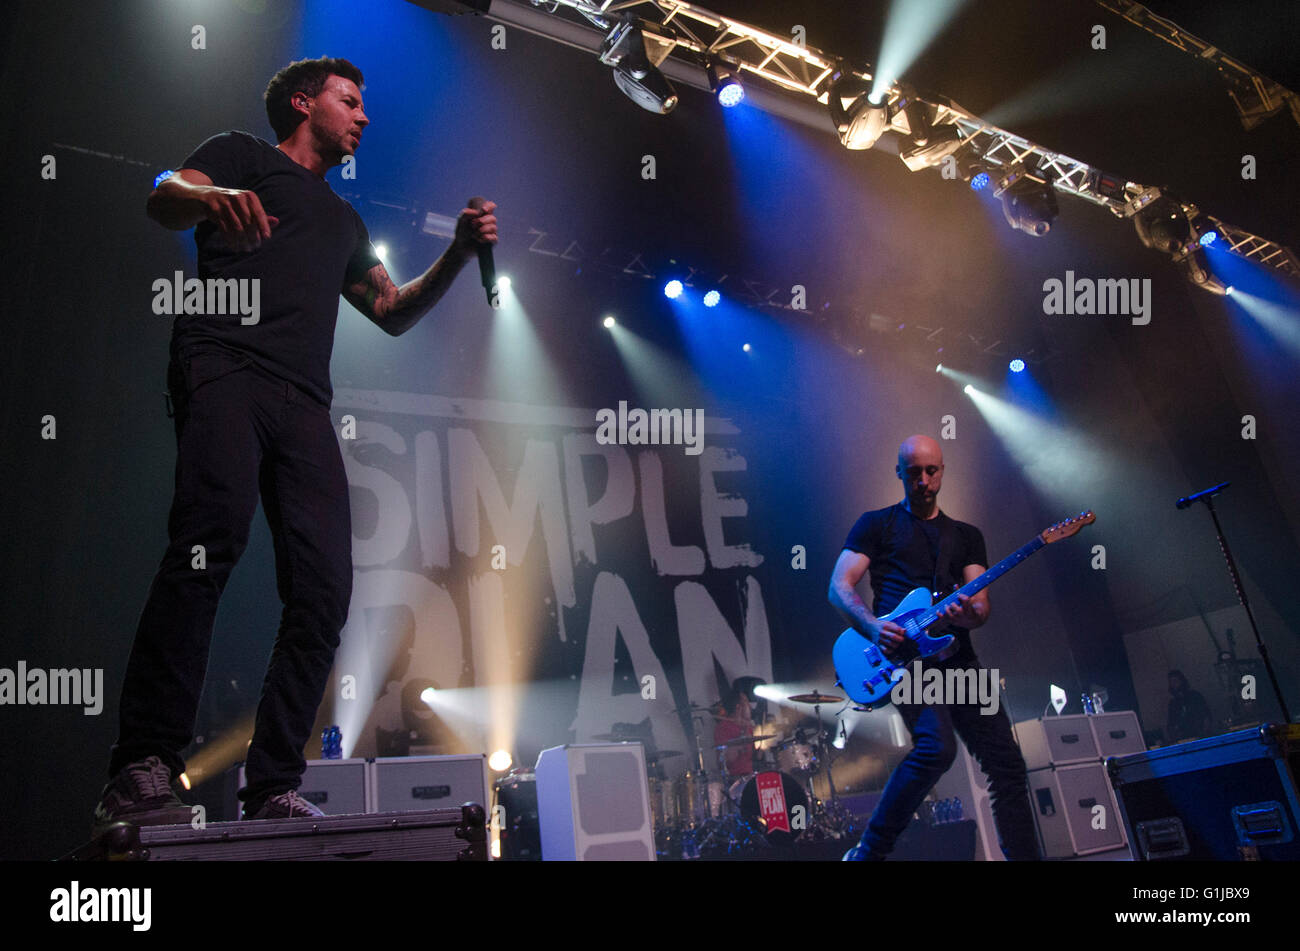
[251, 402]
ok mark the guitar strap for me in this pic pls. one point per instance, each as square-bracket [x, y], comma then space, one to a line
[945, 547]
[940, 553]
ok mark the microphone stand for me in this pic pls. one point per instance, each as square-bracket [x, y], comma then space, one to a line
[1208, 498]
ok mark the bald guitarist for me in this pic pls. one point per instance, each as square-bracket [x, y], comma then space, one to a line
[909, 545]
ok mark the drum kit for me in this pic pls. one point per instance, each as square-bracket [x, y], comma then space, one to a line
[746, 803]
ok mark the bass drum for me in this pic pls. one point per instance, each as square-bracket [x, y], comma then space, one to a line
[769, 796]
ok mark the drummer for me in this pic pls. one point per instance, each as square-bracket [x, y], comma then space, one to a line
[737, 722]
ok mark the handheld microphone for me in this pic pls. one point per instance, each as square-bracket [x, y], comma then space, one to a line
[486, 267]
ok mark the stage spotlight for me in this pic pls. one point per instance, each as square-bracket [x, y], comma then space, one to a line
[1208, 238]
[608, 321]
[725, 85]
[1195, 266]
[939, 368]
[746, 348]
[1017, 366]
[972, 168]
[673, 289]
[162, 177]
[1163, 225]
[939, 144]
[185, 780]
[500, 761]
[381, 250]
[503, 282]
[635, 48]
[968, 389]
[712, 298]
[860, 124]
[426, 696]
[1030, 205]
[928, 145]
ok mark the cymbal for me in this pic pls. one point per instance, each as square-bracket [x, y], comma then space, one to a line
[745, 741]
[814, 697]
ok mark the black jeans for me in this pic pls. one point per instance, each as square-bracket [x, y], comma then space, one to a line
[241, 430]
[934, 732]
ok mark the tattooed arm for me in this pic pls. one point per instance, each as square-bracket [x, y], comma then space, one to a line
[396, 310]
[850, 569]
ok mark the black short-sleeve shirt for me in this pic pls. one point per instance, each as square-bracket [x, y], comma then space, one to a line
[903, 549]
[319, 246]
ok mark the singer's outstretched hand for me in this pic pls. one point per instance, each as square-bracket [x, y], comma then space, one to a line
[475, 229]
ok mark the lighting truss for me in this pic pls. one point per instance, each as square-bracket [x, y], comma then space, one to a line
[1256, 96]
[806, 72]
[710, 35]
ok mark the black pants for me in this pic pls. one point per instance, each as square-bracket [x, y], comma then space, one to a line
[934, 732]
[241, 430]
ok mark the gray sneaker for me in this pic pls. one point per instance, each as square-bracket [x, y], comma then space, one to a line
[285, 805]
[141, 793]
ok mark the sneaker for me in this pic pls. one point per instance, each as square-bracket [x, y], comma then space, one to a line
[285, 805]
[141, 793]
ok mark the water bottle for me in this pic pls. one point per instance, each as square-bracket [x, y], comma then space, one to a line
[331, 743]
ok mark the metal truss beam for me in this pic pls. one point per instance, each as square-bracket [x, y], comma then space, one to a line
[1256, 96]
[800, 78]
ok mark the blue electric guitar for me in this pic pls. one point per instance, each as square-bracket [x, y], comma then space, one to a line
[867, 675]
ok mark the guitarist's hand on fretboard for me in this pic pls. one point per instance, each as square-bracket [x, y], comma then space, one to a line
[964, 614]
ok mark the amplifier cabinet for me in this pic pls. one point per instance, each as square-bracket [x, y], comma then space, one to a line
[1223, 798]
[1074, 809]
[338, 787]
[418, 783]
[1057, 741]
[1117, 734]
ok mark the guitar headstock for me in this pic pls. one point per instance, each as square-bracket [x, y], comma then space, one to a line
[1070, 526]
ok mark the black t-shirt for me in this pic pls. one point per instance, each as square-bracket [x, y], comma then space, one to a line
[903, 549]
[319, 247]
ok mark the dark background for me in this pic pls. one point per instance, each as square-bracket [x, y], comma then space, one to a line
[1143, 414]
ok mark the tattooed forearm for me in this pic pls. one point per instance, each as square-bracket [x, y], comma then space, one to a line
[398, 309]
[851, 607]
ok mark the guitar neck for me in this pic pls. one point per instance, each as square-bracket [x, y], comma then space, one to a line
[972, 588]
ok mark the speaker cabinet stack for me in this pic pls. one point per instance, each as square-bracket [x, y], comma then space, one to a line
[1069, 792]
